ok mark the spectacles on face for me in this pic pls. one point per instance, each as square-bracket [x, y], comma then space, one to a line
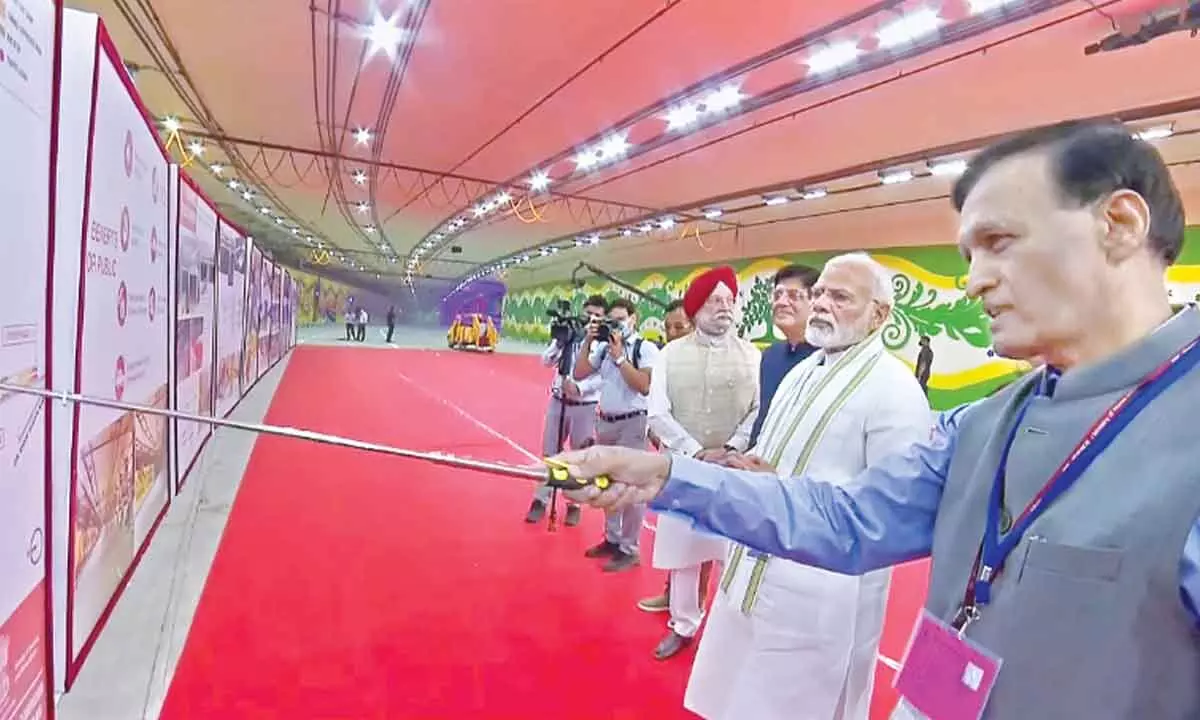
[792, 295]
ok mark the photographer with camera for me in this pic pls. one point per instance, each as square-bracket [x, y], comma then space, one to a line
[613, 350]
[572, 410]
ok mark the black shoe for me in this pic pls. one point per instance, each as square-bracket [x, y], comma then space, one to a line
[537, 509]
[621, 561]
[604, 549]
[671, 645]
[572, 516]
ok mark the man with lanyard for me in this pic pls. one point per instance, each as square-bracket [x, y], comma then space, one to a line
[786, 640]
[623, 363]
[1062, 514]
[790, 306]
[572, 410]
[703, 400]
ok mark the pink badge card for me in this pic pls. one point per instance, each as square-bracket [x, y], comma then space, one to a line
[945, 677]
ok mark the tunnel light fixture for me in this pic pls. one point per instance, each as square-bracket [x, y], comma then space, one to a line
[948, 168]
[909, 28]
[1155, 133]
[979, 7]
[893, 177]
[384, 35]
[833, 57]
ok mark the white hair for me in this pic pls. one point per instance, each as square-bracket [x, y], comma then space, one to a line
[881, 279]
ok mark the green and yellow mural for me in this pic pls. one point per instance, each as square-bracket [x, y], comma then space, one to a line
[321, 300]
[929, 301]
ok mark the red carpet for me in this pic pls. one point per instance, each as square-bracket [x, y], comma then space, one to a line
[355, 586]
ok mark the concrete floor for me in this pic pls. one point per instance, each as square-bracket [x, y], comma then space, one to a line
[127, 674]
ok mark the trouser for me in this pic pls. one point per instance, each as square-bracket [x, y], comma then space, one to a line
[350, 331]
[578, 426]
[391, 329]
[684, 601]
[362, 332]
[623, 528]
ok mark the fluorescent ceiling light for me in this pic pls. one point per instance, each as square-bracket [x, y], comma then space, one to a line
[895, 176]
[1155, 133]
[682, 116]
[814, 193]
[948, 167]
[384, 35]
[832, 57]
[909, 28]
[981, 6]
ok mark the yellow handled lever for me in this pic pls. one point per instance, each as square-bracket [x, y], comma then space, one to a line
[560, 477]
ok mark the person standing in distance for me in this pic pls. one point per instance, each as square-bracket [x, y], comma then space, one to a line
[676, 324]
[1062, 513]
[790, 307]
[572, 408]
[623, 363]
[703, 400]
[786, 640]
[391, 323]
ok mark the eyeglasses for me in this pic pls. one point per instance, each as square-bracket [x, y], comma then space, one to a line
[791, 294]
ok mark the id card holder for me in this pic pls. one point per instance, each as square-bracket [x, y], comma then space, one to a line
[943, 676]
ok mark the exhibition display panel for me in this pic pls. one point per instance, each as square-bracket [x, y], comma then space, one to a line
[231, 315]
[195, 315]
[122, 283]
[119, 481]
[250, 343]
[28, 38]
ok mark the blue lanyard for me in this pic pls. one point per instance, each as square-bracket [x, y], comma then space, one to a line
[999, 543]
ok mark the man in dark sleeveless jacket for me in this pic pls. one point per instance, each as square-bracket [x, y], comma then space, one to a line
[1061, 514]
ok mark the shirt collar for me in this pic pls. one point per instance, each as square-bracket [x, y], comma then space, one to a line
[1128, 366]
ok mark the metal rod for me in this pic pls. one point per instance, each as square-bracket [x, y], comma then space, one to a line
[433, 457]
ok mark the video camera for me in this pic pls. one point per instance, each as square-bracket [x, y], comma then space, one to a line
[564, 326]
[606, 328]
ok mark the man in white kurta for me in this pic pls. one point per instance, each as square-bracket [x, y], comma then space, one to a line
[791, 642]
[703, 402]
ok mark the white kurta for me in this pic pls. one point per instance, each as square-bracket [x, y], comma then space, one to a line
[703, 394]
[805, 647]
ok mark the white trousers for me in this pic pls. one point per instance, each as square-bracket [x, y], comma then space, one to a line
[805, 652]
[686, 613]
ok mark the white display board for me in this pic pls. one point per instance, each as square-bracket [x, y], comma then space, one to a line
[120, 480]
[195, 313]
[264, 316]
[231, 316]
[276, 314]
[250, 345]
[27, 114]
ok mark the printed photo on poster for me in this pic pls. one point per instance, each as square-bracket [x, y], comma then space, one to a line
[264, 317]
[120, 484]
[250, 346]
[27, 50]
[195, 298]
[231, 308]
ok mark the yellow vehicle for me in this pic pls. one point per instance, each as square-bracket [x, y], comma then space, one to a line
[472, 331]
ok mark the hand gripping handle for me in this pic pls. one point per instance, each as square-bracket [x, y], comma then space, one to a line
[559, 476]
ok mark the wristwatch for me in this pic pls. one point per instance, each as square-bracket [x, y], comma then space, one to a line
[619, 361]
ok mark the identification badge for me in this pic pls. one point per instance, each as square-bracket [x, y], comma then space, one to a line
[945, 677]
